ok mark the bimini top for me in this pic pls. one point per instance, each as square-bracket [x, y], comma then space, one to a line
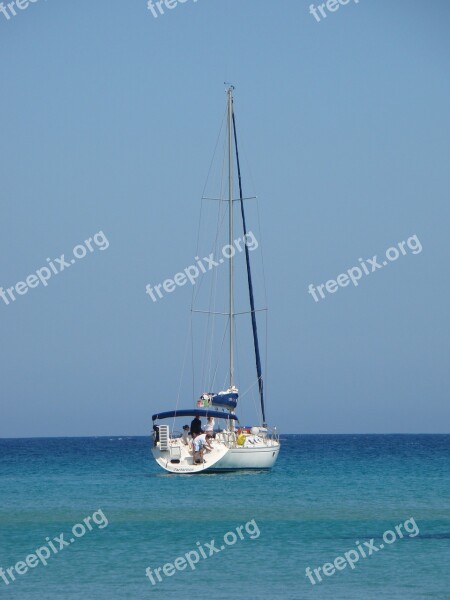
[194, 412]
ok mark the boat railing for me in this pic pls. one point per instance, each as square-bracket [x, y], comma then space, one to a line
[275, 435]
[230, 438]
[226, 437]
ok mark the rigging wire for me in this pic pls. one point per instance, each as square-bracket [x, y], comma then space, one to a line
[193, 296]
[213, 292]
[218, 358]
[209, 370]
[248, 166]
[186, 345]
[220, 224]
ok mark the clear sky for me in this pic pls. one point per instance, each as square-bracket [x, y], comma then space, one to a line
[109, 118]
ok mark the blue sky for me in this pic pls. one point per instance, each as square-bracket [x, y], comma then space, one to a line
[109, 120]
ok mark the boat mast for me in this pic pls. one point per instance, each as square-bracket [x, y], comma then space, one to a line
[250, 284]
[230, 211]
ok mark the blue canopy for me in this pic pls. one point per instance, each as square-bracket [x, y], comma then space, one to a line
[194, 412]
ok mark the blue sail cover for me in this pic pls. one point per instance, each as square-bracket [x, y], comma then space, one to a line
[194, 412]
[225, 400]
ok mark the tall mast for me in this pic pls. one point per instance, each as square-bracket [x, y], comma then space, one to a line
[250, 283]
[230, 211]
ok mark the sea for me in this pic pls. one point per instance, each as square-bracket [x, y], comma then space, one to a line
[96, 519]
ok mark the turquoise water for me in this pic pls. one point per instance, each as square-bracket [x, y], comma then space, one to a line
[326, 493]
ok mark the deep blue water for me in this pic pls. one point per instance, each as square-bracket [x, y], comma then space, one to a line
[325, 493]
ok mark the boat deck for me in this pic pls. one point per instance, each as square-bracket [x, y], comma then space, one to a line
[179, 459]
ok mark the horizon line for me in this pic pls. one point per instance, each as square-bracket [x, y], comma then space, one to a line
[65, 437]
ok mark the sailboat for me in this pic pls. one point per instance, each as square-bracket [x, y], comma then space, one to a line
[233, 447]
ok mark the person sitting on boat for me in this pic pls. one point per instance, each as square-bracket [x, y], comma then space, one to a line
[185, 435]
[209, 427]
[201, 442]
[196, 425]
[155, 434]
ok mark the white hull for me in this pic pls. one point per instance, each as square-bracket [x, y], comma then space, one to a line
[262, 454]
[179, 459]
[248, 458]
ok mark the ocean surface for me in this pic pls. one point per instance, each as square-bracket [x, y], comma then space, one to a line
[325, 494]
